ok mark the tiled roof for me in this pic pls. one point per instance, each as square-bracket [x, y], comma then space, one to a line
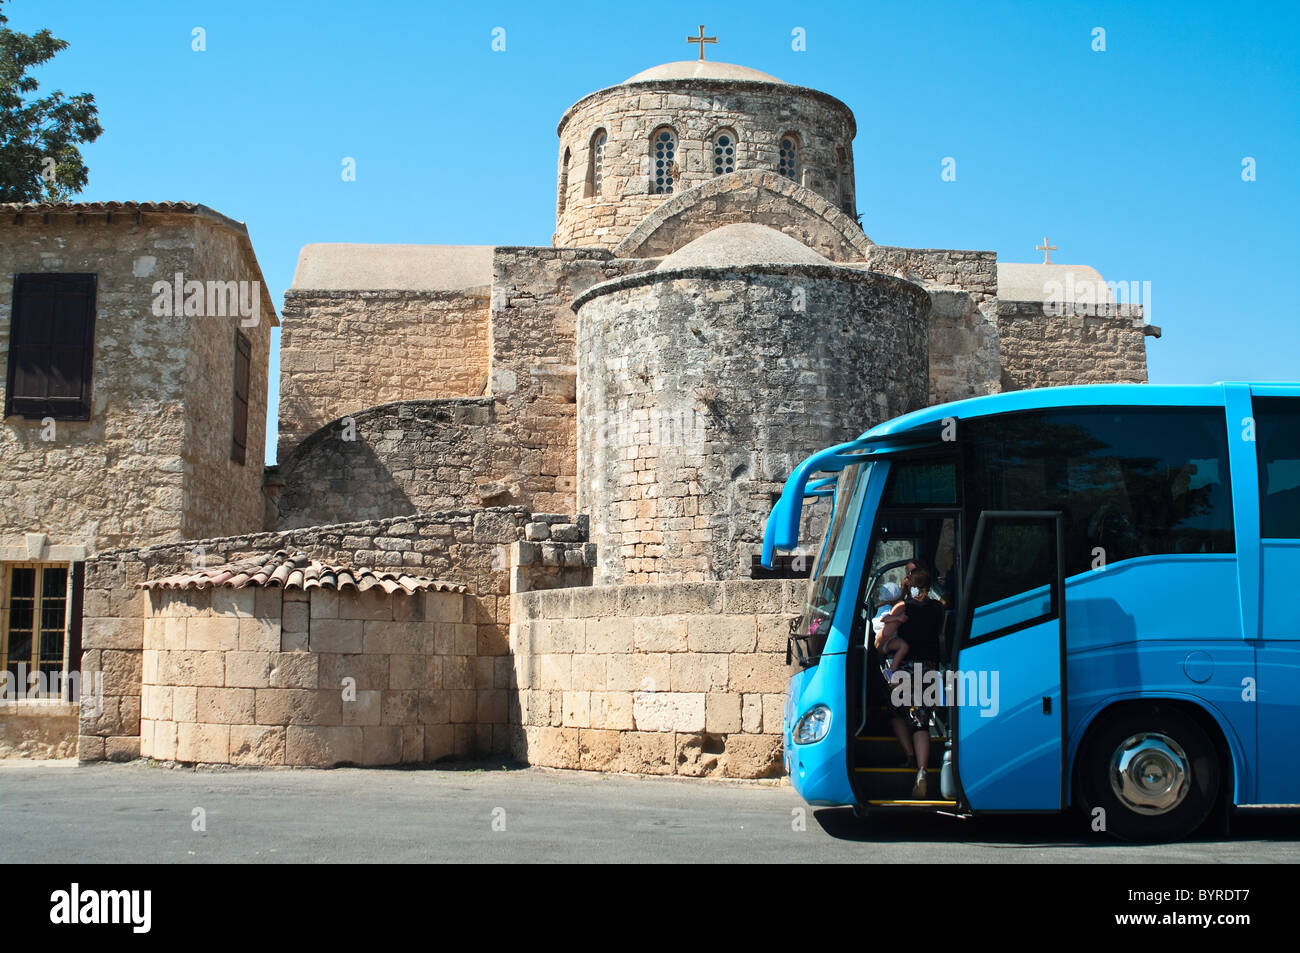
[101, 206]
[284, 571]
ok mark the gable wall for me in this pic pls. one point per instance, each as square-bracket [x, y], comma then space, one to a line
[344, 351]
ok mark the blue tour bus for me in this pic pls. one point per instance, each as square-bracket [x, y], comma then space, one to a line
[1119, 630]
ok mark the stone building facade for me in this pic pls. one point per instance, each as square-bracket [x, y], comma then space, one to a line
[582, 440]
[148, 456]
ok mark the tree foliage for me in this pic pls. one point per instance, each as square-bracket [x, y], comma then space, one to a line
[39, 135]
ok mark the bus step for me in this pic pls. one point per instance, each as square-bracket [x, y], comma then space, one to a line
[893, 783]
[911, 803]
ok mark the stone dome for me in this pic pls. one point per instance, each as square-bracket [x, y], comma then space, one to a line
[747, 243]
[702, 69]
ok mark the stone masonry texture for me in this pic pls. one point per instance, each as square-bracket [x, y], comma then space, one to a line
[701, 389]
[760, 114]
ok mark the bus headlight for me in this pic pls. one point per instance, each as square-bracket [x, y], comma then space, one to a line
[813, 725]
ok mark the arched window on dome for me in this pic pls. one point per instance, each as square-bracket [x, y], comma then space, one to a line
[596, 162]
[563, 197]
[789, 160]
[663, 160]
[724, 152]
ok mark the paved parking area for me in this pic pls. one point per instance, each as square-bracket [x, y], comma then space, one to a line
[58, 812]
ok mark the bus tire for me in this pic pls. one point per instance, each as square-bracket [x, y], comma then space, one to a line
[1151, 770]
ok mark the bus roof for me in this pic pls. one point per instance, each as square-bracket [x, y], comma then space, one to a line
[1081, 395]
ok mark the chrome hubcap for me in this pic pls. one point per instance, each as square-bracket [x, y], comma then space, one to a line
[1149, 773]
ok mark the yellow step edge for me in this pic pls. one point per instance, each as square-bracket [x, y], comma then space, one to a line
[894, 770]
[901, 803]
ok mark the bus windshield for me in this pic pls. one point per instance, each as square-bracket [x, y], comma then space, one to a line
[833, 555]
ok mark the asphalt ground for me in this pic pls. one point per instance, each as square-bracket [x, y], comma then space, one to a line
[62, 813]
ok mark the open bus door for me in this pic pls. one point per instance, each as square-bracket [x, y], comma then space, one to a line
[1009, 708]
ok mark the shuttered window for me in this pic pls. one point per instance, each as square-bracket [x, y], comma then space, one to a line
[243, 360]
[51, 347]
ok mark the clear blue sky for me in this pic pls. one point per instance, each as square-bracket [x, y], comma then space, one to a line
[1129, 160]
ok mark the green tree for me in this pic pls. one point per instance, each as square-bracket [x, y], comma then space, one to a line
[39, 135]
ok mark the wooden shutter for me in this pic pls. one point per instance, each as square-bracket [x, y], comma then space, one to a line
[51, 347]
[243, 361]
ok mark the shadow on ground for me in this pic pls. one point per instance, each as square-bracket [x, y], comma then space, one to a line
[1034, 830]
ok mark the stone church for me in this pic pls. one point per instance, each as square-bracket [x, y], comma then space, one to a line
[520, 491]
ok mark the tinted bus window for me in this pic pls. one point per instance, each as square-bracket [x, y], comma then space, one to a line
[1131, 482]
[1277, 446]
[923, 483]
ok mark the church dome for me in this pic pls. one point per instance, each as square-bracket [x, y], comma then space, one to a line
[746, 243]
[702, 69]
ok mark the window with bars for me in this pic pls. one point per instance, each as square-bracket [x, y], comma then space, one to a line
[51, 347]
[663, 164]
[39, 633]
[724, 152]
[596, 163]
[243, 364]
[789, 160]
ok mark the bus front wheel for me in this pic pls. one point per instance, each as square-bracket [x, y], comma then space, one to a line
[1147, 773]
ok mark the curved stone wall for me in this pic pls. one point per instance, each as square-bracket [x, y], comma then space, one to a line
[700, 389]
[260, 676]
[759, 113]
[417, 456]
[765, 198]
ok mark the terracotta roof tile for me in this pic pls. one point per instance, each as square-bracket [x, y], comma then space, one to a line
[280, 570]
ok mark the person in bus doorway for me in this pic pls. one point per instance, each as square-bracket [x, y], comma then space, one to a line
[886, 624]
[936, 591]
[911, 717]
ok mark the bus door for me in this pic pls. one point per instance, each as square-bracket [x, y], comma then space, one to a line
[1008, 690]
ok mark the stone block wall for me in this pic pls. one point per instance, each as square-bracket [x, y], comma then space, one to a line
[750, 195]
[39, 730]
[223, 495]
[759, 114]
[534, 367]
[342, 352]
[965, 352]
[702, 389]
[1042, 350]
[655, 679]
[126, 476]
[397, 459]
[269, 677]
[472, 548]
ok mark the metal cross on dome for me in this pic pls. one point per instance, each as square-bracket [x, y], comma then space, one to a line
[1047, 250]
[701, 39]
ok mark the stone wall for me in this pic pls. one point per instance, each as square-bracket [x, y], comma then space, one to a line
[965, 353]
[751, 195]
[222, 495]
[153, 461]
[759, 113]
[1041, 350]
[269, 676]
[38, 730]
[344, 351]
[668, 679]
[394, 460]
[703, 388]
[534, 367]
[125, 477]
[473, 548]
